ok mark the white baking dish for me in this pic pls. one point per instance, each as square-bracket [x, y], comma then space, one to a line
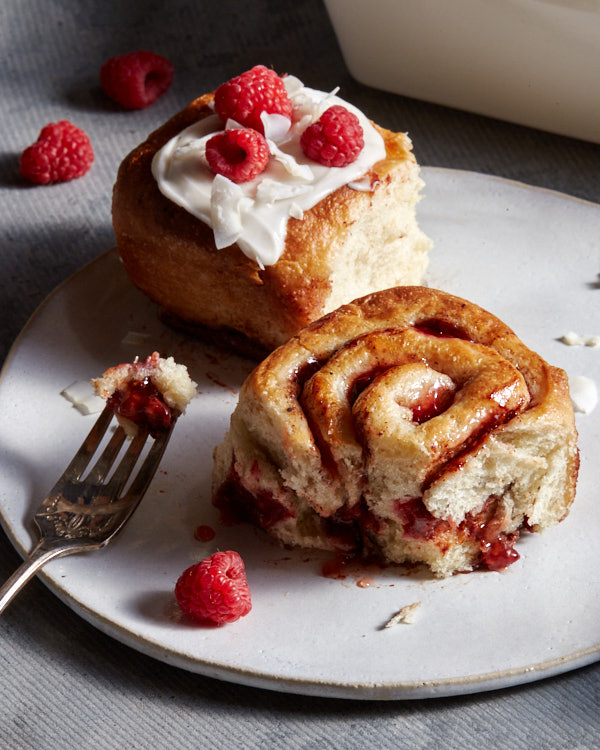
[533, 62]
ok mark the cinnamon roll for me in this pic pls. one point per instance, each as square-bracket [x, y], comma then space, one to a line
[247, 265]
[410, 426]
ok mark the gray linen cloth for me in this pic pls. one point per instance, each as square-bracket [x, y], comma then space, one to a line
[64, 684]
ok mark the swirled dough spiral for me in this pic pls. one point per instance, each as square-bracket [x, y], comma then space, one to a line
[411, 425]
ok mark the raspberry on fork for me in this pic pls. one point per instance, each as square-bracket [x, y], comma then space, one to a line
[245, 97]
[240, 154]
[335, 139]
[62, 152]
[136, 79]
[215, 590]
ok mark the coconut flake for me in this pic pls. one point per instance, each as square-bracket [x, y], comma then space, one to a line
[228, 204]
[289, 163]
[275, 126]
[81, 394]
[296, 212]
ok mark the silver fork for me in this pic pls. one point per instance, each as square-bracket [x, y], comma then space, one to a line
[81, 515]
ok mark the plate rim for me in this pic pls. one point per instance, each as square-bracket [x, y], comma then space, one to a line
[391, 690]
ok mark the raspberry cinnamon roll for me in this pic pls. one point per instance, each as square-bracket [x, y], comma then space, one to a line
[409, 426]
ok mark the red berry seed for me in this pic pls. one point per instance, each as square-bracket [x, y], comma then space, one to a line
[239, 154]
[61, 153]
[136, 79]
[245, 97]
[215, 590]
[335, 139]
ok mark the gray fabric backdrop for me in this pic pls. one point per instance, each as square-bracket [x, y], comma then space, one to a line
[63, 683]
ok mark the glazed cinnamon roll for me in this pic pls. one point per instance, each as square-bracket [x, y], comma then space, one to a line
[411, 426]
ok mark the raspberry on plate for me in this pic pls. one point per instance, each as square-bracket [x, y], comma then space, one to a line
[61, 153]
[245, 97]
[215, 590]
[335, 139]
[240, 154]
[136, 79]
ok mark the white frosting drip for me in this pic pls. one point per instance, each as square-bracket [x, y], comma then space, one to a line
[574, 339]
[254, 214]
[584, 393]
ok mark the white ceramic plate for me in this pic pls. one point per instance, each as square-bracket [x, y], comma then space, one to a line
[528, 255]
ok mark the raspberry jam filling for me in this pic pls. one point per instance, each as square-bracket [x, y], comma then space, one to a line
[435, 402]
[497, 547]
[417, 522]
[141, 403]
[485, 527]
[238, 505]
[472, 444]
[348, 528]
[441, 329]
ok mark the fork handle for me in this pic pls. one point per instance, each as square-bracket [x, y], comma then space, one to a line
[38, 558]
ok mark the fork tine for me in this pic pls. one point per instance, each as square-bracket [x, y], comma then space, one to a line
[125, 467]
[148, 468]
[82, 458]
[105, 461]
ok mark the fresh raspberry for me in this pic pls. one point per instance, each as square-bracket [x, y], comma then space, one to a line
[136, 79]
[62, 152]
[239, 154]
[335, 139]
[215, 589]
[246, 96]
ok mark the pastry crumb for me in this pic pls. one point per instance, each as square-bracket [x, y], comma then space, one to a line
[408, 615]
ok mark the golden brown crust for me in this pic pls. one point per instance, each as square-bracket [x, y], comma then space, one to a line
[171, 256]
[322, 420]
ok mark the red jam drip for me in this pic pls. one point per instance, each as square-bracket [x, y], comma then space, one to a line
[238, 505]
[142, 404]
[499, 554]
[204, 533]
[337, 567]
[441, 329]
[342, 566]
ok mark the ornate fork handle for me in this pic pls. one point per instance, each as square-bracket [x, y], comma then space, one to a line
[40, 555]
[79, 515]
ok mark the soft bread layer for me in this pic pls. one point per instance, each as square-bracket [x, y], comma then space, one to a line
[325, 456]
[352, 242]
